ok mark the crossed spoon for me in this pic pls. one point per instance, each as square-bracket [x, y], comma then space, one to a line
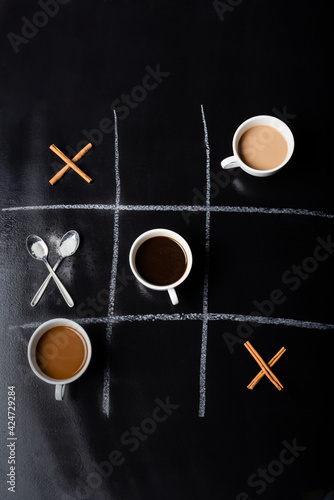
[39, 250]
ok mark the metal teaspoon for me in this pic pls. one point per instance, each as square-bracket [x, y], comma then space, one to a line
[39, 250]
[67, 247]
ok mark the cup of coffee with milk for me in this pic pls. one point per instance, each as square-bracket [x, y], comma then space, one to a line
[261, 146]
[59, 352]
[161, 260]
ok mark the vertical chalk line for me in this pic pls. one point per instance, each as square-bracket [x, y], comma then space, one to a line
[113, 284]
[204, 341]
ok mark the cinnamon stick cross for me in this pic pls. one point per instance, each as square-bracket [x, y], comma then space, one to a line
[70, 163]
[265, 367]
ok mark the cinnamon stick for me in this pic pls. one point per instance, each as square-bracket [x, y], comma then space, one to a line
[261, 374]
[67, 167]
[272, 377]
[69, 162]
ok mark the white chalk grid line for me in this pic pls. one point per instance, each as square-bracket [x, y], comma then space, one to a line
[176, 208]
[204, 342]
[205, 317]
[112, 291]
[242, 318]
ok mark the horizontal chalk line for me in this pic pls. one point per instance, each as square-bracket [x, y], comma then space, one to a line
[271, 321]
[60, 207]
[246, 318]
[176, 208]
[274, 211]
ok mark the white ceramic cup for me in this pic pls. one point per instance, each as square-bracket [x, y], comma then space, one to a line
[59, 384]
[181, 241]
[235, 160]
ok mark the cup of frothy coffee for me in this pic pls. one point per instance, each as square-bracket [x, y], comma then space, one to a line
[59, 352]
[261, 146]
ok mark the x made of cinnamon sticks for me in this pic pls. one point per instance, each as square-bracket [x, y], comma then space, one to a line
[265, 368]
[70, 163]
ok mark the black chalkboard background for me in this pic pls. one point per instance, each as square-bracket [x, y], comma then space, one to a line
[179, 77]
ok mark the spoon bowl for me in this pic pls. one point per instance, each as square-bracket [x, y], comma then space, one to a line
[69, 244]
[39, 250]
[37, 247]
[67, 247]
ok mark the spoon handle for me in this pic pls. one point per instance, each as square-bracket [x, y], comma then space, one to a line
[59, 284]
[42, 288]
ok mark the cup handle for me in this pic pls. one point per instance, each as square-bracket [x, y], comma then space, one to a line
[230, 162]
[173, 296]
[60, 391]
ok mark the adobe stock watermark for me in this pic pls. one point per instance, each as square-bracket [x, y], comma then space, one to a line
[218, 181]
[93, 305]
[52, 348]
[123, 106]
[267, 476]
[293, 277]
[130, 441]
[223, 178]
[223, 7]
[31, 27]
[259, 140]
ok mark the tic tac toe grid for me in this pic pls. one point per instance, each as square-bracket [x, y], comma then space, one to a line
[204, 316]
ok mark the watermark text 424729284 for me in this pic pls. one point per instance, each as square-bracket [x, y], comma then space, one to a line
[11, 440]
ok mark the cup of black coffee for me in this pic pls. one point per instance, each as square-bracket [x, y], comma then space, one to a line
[161, 260]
